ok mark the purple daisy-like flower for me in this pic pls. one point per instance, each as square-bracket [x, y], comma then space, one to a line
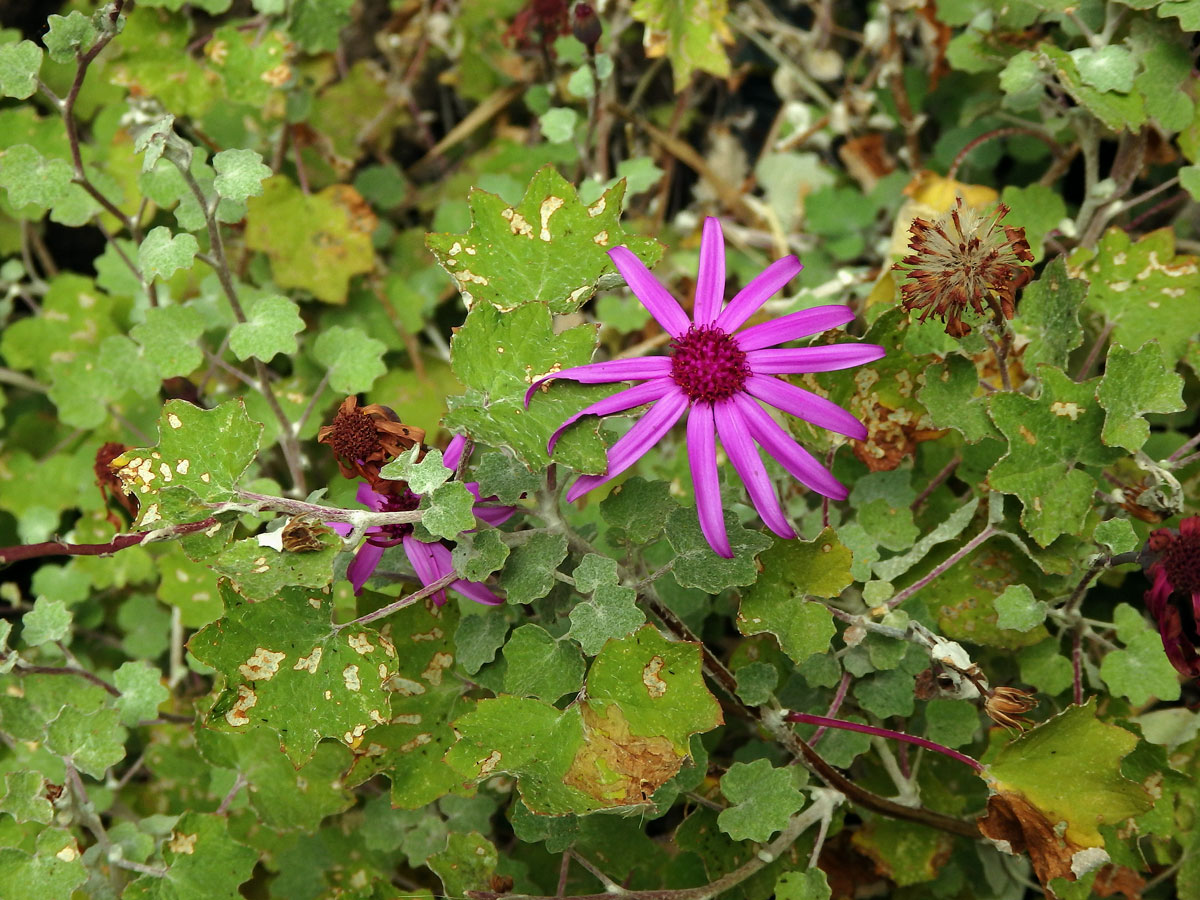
[1174, 596]
[717, 374]
[431, 561]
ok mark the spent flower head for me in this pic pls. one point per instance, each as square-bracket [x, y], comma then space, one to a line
[964, 258]
[363, 439]
[1174, 595]
[717, 372]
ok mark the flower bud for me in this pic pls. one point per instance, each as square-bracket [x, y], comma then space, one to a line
[585, 25]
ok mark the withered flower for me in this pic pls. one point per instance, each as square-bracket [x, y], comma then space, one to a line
[364, 439]
[1174, 596]
[110, 483]
[302, 534]
[1007, 706]
[964, 257]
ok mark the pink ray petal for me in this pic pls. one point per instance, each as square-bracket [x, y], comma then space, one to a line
[757, 292]
[702, 458]
[784, 449]
[735, 438]
[454, 450]
[424, 563]
[805, 405]
[797, 360]
[710, 278]
[794, 325]
[492, 513]
[656, 298]
[472, 590]
[369, 497]
[365, 561]
[629, 448]
[619, 402]
[634, 369]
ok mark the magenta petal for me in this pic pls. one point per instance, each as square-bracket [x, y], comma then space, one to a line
[790, 361]
[623, 400]
[493, 514]
[424, 563]
[757, 292]
[342, 528]
[777, 442]
[472, 590]
[369, 497]
[656, 298]
[646, 432]
[794, 325]
[710, 278]
[365, 561]
[454, 450]
[702, 458]
[735, 438]
[805, 405]
[634, 369]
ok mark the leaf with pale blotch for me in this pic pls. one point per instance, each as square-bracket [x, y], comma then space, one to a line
[697, 566]
[315, 242]
[467, 864]
[1049, 438]
[271, 326]
[283, 667]
[1142, 289]
[53, 871]
[645, 697]
[1134, 384]
[425, 696]
[540, 666]
[498, 356]
[203, 860]
[763, 799]
[200, 455]
[691, 35]
[1069, 768]
[549, 248]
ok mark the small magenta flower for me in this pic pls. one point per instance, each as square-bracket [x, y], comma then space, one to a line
[431, 561]
[1174, 596]
[717, 374]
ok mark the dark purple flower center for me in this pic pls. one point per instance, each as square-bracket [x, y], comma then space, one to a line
[708, 364]
[1181, 559]
[391, 535]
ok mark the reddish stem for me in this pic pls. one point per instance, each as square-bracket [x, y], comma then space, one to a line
[885, 733]
[120, 542]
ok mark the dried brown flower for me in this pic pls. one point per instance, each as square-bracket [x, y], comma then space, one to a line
[110, 483]
[1007, 706]
[364, 439]
[964, 257]
[302, 534]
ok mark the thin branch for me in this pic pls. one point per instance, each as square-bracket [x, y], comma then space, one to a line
[238, 783]
[942, 567]
[936, 482]
[885, 733]
[839, 697]
[432, 588]
[120, 542]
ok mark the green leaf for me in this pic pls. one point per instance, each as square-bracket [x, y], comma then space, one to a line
[529, 572]
[240, 174]
[952, 723]
[1050, 316]
[763, 800]
[955, 399]
[1090, 791]
[316, 24]
[271, 326]
[1048, 438]
[811, 884]
[642, 691]
[161, 255]
[1037, 209]
[540, 666]
[54, 871]
[69, 36]
[170, 339]
[1044, 667]
[886, 694]
[200, 456]
[1141, 671]
[1016, 608]
[467, 864]
[19, 67]
[952, 527]
[353, 359]
[1134, 384]
[422, 477]
[142, 691]
[480, 553]
[203, 860]
[640, 508]
[1117, 110]
[692, 37]
[315, 242]
[33, 180]
[611, 613]
[283, 667]
[548, 249]
[48, 621]
[1117, 535]
[1108, 68]
[478, 638]
[697, 566]
[1143, 290]
[93, 741]
[447, 511]
[756, 682]
[24, 798]
[558, 126]
[497, 356]
[505, 478]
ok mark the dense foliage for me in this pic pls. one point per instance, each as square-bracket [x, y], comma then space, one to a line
[268, 632]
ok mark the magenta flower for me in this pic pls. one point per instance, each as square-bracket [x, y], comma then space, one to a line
[717, 374]
[1174, 597]
[431, 561]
